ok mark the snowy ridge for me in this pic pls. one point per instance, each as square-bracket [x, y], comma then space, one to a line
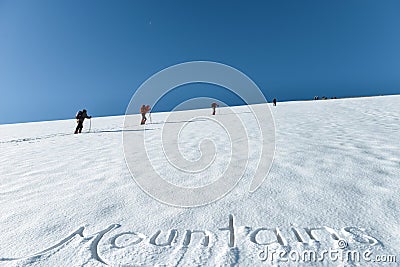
[69, 200]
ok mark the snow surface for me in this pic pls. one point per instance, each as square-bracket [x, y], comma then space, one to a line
[70, 200]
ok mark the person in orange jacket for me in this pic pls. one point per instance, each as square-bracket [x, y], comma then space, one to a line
[143, 110]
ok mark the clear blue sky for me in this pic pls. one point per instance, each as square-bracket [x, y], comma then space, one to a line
[60, 56]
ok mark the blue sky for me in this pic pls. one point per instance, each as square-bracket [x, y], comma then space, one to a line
[57, 57]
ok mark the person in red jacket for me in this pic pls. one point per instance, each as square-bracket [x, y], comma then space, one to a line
[214, 106]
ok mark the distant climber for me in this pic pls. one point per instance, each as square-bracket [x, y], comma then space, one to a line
[274, 101]
[143, 110]
[80, 118]
[214, 106]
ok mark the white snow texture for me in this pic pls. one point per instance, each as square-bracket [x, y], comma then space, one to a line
[70, 200]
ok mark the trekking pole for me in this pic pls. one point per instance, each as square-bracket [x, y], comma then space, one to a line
[90, 124]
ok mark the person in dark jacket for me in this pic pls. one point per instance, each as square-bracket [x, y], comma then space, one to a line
[80, 118]
[274, 101]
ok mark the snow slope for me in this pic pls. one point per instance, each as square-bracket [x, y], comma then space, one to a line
[70, 200]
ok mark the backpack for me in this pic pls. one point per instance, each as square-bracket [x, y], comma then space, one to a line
[79, 115]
